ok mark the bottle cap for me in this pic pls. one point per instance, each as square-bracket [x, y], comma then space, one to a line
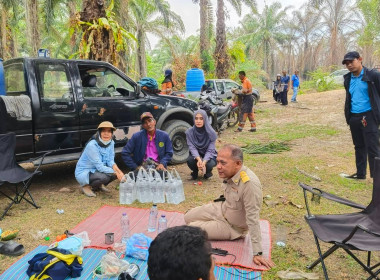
[154, 205]
[124, 214]
[163, 216]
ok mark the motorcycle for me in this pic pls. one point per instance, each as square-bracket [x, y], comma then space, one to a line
[221, 115]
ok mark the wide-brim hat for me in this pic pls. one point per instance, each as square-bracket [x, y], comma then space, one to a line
[106, 125]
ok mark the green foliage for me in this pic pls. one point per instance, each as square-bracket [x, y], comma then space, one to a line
[270, 148]
[320, 81]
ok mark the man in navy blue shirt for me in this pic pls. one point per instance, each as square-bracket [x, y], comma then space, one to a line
[295, 85]
[285, 85]
[362, 112]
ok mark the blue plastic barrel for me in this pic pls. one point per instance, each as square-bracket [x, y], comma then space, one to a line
[195, 78]
[2, 79]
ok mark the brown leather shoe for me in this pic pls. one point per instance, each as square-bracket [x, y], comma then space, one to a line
[88, 191]
[104, 189]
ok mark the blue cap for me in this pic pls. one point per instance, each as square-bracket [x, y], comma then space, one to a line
[168, 72]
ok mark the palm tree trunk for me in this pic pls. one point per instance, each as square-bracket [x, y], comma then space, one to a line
[141, 57]
[221, 57]
[32, 26]
[204, 41]
[72, 15]
[3, 32]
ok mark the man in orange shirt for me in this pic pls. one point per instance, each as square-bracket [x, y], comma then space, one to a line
[247, 103]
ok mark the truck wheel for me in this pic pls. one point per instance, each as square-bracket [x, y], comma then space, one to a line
[176, 130]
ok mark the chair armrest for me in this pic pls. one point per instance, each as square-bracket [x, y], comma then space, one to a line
[363, 228]
[330, 196]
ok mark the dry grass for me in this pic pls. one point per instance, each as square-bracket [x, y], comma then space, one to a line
[320, 144]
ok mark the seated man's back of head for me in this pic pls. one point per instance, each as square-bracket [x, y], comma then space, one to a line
[181, 252]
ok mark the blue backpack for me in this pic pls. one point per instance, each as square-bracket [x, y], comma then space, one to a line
[150, 83]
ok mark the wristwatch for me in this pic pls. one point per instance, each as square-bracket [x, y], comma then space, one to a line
[258, 254]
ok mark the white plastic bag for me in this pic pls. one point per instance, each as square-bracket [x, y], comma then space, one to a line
[144, 193]
[111, 265]
[156, 186]
[76, 243]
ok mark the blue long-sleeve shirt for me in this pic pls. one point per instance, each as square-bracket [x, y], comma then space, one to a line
[134, 151]
[94, 158]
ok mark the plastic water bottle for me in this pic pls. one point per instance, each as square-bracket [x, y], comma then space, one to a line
[122, 192]
[162, 223]
[125, 232]
[153, 218]
[129, 188]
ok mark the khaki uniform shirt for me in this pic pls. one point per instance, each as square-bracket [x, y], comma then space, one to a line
[243, 203]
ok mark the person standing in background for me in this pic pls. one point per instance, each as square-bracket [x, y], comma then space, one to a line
[167, 83]
[285, 87]
[246, 108]
[362, 112]
[295, 85]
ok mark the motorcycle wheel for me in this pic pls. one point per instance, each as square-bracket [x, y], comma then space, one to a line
[233, 118]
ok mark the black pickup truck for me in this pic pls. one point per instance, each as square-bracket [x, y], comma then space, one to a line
[57, 104]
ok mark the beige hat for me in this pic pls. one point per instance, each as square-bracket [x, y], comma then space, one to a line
[106, 125]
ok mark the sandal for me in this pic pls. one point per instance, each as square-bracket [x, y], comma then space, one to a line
[11, 248]
[294, 273]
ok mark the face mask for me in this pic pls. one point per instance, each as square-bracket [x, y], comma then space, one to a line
[104, 142]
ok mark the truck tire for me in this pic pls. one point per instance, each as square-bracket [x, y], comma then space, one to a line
[176, 130]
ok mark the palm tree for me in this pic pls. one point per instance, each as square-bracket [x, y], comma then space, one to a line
[146, 18]
[263, 32]
[306, 23]
[32, 26]
[205, 30]
[220, 54]
[338, 17]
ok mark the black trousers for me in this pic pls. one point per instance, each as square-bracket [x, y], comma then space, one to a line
[366, 141]
[98, 178]
[284, 97]
[192, 164]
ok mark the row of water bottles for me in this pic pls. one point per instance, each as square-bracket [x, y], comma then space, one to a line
[149, 186]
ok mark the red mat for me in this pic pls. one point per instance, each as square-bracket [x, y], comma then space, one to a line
[107, 219]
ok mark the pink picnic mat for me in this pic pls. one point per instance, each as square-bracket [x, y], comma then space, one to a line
[107, 219]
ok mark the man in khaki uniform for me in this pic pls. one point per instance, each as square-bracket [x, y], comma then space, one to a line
[239, 212]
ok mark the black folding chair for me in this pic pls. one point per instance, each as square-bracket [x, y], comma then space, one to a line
[358, 231]
[13, 175]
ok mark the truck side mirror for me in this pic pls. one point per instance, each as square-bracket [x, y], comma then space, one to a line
[229, 97]
[222, 92]
[137, 93]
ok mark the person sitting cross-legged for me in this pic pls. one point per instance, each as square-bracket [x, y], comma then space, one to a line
[235, 214]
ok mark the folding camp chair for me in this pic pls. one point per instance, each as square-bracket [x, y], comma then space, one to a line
[358, 231]
[13, 175]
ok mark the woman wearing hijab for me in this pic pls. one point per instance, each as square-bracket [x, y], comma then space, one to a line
[167, 83]
[201, 140]
[96, 165]
[277, 88]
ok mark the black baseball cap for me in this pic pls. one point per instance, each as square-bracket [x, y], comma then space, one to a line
[350, 56]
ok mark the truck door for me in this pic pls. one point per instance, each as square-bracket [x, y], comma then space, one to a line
[17, 114]
[57, 123]
[107, 96]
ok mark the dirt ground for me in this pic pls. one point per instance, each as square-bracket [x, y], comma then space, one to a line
[320, 145]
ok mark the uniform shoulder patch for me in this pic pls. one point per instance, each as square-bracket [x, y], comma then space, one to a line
[244, 176]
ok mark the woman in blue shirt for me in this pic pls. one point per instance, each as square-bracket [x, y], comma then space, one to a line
[96, 166]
